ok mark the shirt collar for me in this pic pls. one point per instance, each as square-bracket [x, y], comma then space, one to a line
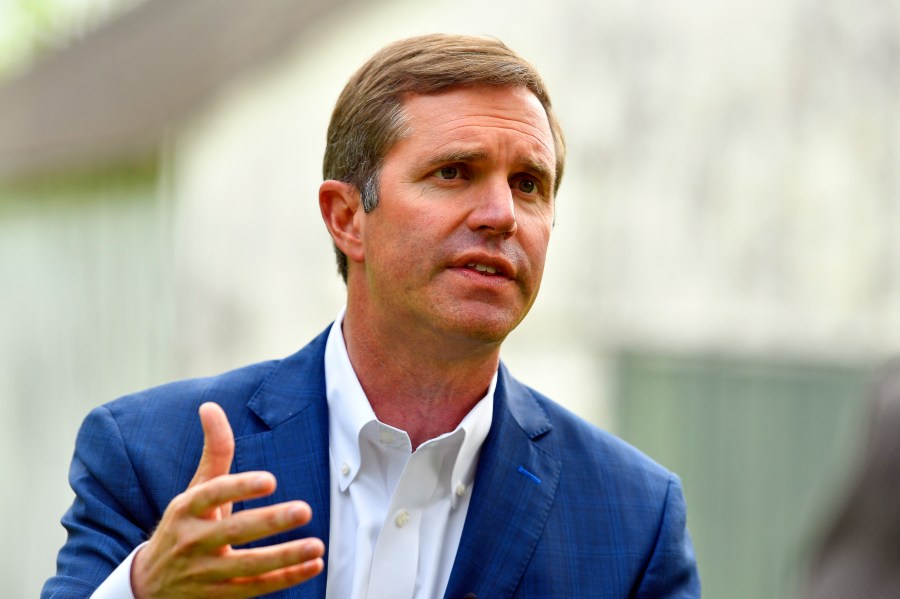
[349, 411]
[348, 408]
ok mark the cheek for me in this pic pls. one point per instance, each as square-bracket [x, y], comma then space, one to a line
[536, 238]
[402, 246]
[428, 233]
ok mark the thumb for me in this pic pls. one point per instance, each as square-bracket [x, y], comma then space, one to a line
[218, 444]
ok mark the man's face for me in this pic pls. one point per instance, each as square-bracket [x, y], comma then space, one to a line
[458, 240]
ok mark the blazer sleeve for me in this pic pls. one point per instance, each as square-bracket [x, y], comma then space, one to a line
[110, 515]
[672, 570]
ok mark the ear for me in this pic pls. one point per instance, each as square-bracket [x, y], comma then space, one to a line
[342, 212]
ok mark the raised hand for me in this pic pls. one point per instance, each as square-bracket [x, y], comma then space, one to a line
[190, 554]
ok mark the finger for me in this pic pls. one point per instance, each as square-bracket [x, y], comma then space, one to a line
[283, 578]
[251, 525]
[218, 444]
[246, 564]
[202, 499]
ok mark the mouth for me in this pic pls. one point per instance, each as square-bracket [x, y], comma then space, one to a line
[483, 269]
[495, 267]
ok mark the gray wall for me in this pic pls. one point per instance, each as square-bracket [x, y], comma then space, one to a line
[85, 315]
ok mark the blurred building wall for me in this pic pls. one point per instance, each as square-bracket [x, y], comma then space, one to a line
[85, 316]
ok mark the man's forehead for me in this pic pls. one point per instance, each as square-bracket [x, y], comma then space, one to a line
[449, 94]
[462, 111]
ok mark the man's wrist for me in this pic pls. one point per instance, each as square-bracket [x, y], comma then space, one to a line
[134, 578]
[118, 584]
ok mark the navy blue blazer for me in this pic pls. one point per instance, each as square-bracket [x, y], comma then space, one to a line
[559, 508]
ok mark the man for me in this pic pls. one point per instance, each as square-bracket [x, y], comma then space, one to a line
[857, 550]
[397, 439]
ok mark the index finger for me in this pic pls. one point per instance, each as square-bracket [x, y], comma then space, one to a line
[205, 497]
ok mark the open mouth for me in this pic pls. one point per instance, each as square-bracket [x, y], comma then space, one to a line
[483, 269]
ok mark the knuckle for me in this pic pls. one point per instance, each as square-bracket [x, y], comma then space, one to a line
[311, 549]
[297, 555]
[243, 485]
[180, 503]
[300, 553]
[231, 529]
[186, 543]
[250, 563]
[244, 567]
[276, 519]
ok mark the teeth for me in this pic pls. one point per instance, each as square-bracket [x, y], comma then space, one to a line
[482, 268]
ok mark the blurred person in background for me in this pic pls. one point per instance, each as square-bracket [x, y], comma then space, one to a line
[397, 438]
[859, 554]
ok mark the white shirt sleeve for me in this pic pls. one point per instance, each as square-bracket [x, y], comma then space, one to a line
[118, 584]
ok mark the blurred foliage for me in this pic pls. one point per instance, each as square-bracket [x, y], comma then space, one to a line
[31, 28]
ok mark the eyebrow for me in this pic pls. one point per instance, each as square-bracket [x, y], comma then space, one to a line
[540, 170]
[450, 157]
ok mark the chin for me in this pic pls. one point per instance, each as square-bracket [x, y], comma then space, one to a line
[483, 326]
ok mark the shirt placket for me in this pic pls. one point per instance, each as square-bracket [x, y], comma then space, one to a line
[395, 561]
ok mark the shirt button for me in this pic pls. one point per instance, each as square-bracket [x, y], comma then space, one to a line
[345, 468]
[460, 490]
[387, 437]
[402, 518]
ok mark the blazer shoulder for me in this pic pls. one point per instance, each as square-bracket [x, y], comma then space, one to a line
[231, 390]
[275, 384]
[156, 432]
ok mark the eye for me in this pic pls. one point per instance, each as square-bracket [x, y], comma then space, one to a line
[447, 172]
[526, 186]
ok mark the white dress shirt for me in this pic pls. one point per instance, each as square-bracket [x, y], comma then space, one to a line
[396, 515]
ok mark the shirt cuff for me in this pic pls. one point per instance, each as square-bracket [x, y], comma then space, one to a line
[118, 584]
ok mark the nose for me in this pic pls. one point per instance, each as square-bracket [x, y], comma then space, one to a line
[494, 210]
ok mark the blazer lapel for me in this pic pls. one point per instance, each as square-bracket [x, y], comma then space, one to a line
[514, 488]
[292, 404]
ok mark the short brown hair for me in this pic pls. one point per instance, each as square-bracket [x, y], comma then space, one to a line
[368, 117]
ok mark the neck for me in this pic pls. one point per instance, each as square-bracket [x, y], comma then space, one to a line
[416, 382]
